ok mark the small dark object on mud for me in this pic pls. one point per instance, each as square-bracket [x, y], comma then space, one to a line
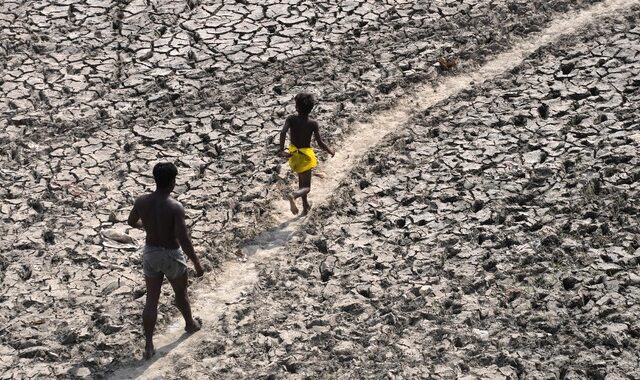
[543, 111]
[447, 63]
[478, 204]
[36, 205]
[567, 67]
[321, 245]
[49, 237]
[569, 283]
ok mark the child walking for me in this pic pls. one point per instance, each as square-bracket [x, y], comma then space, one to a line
[302, 158]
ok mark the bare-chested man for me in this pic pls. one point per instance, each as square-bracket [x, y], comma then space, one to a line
[163, 219]
[302, 158]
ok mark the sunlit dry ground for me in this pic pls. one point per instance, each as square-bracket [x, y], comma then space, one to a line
[496, 233]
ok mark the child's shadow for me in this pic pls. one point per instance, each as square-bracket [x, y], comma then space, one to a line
[276, 237]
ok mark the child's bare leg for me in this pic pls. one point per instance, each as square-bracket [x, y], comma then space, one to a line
[292, 204]
[306, 205]
[304, 183]
[304, 180]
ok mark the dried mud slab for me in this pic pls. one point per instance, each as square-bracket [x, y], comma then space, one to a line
[496, 236]
[92, 94]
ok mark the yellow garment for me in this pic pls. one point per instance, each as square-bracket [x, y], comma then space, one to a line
[302, 159]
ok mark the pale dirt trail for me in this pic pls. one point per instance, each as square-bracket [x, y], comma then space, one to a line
[213, 294]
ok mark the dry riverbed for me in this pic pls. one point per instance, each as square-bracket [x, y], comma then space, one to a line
[497, 232]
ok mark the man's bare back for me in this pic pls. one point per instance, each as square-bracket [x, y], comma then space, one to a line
[159, 214]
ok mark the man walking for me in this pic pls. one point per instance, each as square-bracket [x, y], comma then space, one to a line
[163, 219]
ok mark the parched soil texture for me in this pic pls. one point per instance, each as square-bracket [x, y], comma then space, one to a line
[495, 236]
[497, 232]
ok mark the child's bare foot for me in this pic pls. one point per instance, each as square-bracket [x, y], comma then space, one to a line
[194, 326]
[149, 351]
[240, 255]
[292, 205]
[306, 210]
[319, 174]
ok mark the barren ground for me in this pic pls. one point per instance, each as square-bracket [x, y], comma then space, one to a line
[492, 234]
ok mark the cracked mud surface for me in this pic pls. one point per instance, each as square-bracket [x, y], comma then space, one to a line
[495, 237]
[94, 93]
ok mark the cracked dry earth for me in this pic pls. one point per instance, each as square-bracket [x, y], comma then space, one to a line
[495, 235]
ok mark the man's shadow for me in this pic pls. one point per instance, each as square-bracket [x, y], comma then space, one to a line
[137, 367]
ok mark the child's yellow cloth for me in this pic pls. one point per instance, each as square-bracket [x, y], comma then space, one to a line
[302, 159]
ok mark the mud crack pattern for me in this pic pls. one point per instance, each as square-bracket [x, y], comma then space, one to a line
[495, 237]
[94, 93]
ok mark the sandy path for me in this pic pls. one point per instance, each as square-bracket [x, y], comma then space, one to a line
[212, 295]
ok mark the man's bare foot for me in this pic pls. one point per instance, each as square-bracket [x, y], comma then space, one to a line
[194, 326]
[292, 205]
[149, 351]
